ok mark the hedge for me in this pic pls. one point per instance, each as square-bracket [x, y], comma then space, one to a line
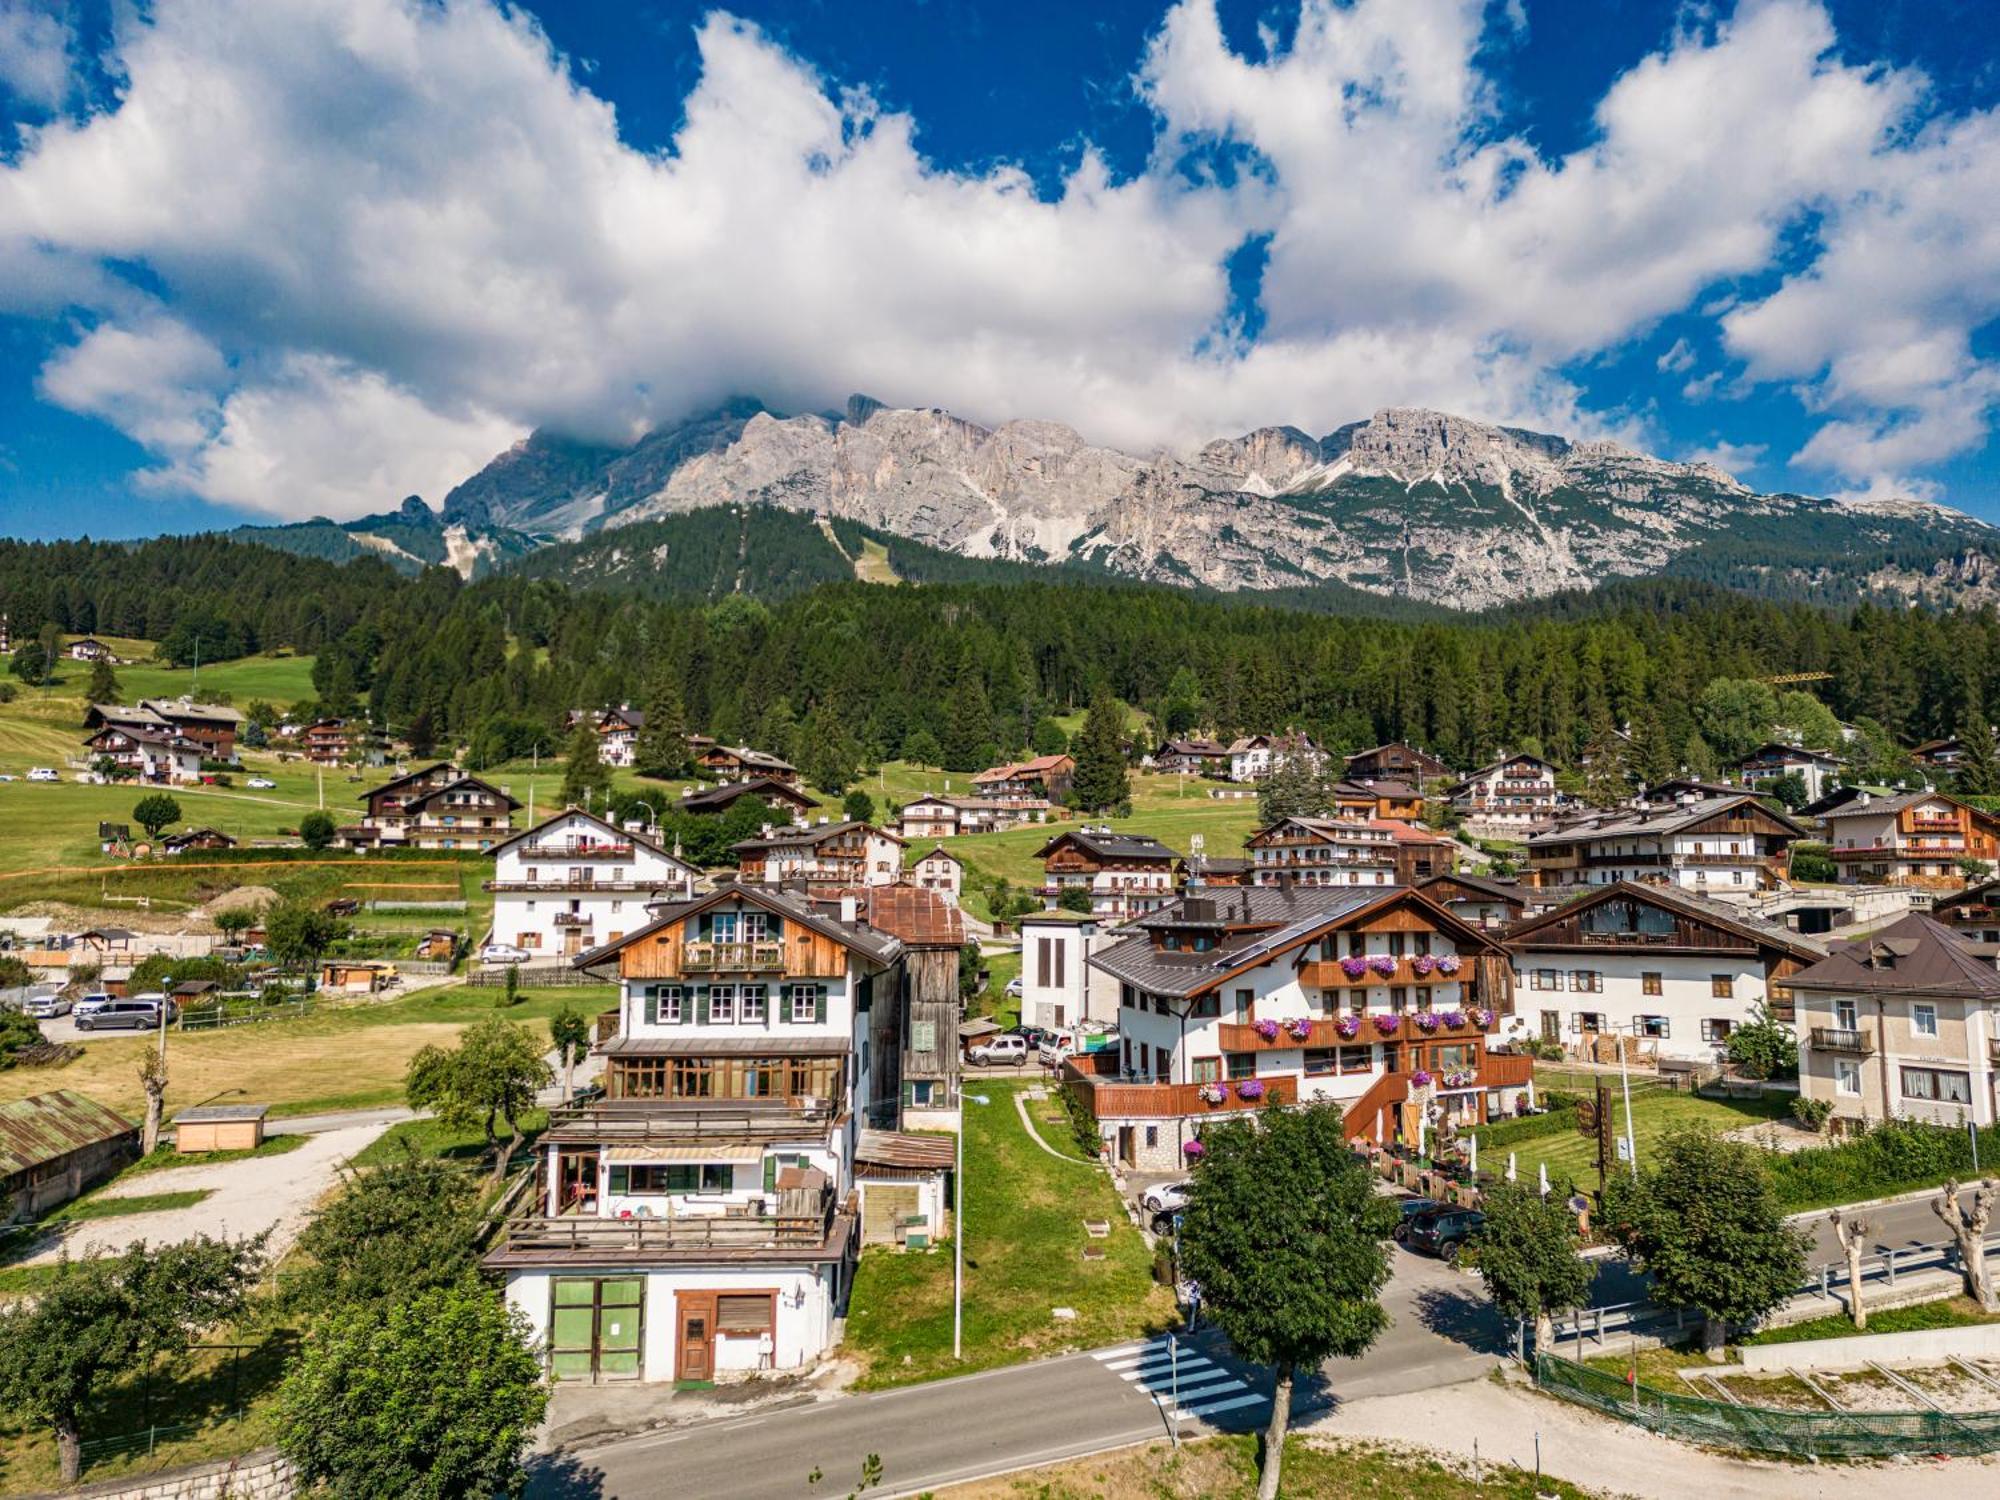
[1557, 1121]
[1899, 1157]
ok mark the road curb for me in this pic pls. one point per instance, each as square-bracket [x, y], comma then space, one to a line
[1917, 1195]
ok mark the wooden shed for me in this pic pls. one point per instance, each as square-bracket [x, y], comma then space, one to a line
[356, 976]
[220, 1127]
[53, 1146]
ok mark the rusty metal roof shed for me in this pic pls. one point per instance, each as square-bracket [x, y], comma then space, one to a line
[46, 1127]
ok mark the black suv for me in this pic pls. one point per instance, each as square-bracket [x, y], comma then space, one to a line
[1443, 1232]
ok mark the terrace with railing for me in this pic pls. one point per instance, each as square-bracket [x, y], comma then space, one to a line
[709, 956]
[799, 1223]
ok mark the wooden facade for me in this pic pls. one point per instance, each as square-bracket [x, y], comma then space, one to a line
[797, 952]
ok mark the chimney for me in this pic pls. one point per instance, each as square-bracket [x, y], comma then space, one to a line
[850, 908]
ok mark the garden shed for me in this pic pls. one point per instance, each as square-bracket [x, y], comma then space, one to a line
[53, 1146]
[220, 1127]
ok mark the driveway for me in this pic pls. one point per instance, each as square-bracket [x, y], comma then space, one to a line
[247, 1197]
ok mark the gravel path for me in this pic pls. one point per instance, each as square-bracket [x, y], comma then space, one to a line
[248, 1196]
[1624, 1460]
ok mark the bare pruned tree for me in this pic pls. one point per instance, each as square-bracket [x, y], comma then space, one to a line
[1967, 1223]
[1853, 1231]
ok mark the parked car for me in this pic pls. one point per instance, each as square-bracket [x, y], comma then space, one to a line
[135, 1013]
[1165, 1197]
[92, 1003]
[1443, 1232]
[46, 1007]
[42, 773]
[998, 1051]
[1034, 1036]
[503, 953]
[1013, 990]
[1411, 1207]
[261, 783]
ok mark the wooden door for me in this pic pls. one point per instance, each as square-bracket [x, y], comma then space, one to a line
[576, 1174]
[1552, 1022]
[694, 1350]
[1128, 1151]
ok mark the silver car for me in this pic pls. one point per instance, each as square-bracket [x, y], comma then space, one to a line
[46, 1007]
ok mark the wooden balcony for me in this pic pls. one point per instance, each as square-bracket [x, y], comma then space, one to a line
[561, 850]
[576, 887]
[1239, 1036]
[793, 1223]
[1327, 974]
[706, 957]
[1093, 1079]
[1839, 1039]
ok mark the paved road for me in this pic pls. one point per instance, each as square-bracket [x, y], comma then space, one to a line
[1895, 1225]
[1442, 1331]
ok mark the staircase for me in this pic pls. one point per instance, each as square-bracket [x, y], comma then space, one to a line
[1358, 1120]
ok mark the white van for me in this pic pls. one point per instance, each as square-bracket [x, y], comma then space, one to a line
[42, 773]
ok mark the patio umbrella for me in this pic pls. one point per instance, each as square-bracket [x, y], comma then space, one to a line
[1513, 1173]
[1545, 1179]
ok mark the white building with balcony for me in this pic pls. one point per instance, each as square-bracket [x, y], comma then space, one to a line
[702, 1219]
[576, 882]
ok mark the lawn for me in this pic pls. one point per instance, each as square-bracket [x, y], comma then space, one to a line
[279, 680]
[1002, 967]
[1024, 1256]
[1655, 1110]
[1949, 1312]
[345, 1056]
[97, 1206]
[166, 1157]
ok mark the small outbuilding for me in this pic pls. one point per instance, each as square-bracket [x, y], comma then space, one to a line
[220, 1127]
[356, 976]
[53, 1146]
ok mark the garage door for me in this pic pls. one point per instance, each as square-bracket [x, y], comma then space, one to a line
[883, 1206]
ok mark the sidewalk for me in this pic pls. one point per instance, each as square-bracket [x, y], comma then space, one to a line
[1502, 1423]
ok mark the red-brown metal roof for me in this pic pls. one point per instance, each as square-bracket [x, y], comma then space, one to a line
[45, 1127]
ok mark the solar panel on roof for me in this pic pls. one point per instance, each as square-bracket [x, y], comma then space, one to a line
[1279, 938]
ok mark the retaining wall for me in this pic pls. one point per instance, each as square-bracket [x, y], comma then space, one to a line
[1919, 1345]
[266, 1475]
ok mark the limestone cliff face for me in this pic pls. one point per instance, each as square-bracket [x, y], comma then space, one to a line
[1410, 502]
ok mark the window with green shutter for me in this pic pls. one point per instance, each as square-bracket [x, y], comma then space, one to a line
[923, 1036]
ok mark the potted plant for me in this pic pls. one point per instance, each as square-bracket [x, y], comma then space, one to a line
[1250, 1088]
[1354, 966]
[1347, 1027]
[1423, 963]
[1266, 1028]
[1426, 1020]
[1387, 1023]
[1194, 1150]
[1383, 964]
[1447, 963]
[1453, 1018]
[1420, 1079]
[1210, 1093]
[1301, 1028]
[1484, 1016]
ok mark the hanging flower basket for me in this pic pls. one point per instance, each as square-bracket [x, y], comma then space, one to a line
[1387, 1024]
[1301, 1028]
[1211, 1093]
[1382, 964]
[1266, 1028]
[1426, 1020]
[1484, 1016]
[1250, 1088]
[1448, 964]
[1453, 1018]
[1354, 966]
[1194, 1150]
[1423, 963]
[1461, 1079]
[1420, 1079]
[1348, 1026]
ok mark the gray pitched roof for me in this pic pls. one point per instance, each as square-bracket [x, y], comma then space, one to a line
[1274, 910]
[1917, 955]
[1108, 845]
[870, 943]
[1627, 822]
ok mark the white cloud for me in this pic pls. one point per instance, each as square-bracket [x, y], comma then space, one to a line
[1731, 458]
[415, 214]
[35, 52]
[1676, 359]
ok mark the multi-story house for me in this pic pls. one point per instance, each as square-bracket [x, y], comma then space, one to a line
[939, 816]
[1253, 756]
[1513, 797]
[701, 1220]
[741, 763]
[1819, 770]
[618, 734]
[1123, 873]
[1940, 755]
[1345, 851]
[1397, 800]
[1058, 985]
[1396, 761]
[336, 742]
[439, 807]
[932, 931]
[1973, 913]
[1912, 838]
[1192, 757]
[213, 726]
[1378, 999]
[940, 870]
[1043, 780]
[90, 648]
[1902, 1024]
[576, 882]
[152, 755]
[1478, 899]
[1725, 846]
[824, 854]
[1675, 971]
[778, 795]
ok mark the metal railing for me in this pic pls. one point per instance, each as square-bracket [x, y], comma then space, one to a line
[709, 956]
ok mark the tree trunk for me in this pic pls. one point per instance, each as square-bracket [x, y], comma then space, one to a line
[1714, 1334]
[149, 1137]
[69, 1446]
[1545, 1332]
[505, 1151]
[1274, 1434]
[1853, 1233]
[569, 1076]
[1967, 1224]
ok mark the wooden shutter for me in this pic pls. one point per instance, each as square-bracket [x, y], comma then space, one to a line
[770, 1174]
[1042, 962]
[652, 1005]
[700, 1005]
[1061, 951]
[819, 1005]
[743, 1313]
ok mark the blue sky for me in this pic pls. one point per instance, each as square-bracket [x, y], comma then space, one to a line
[265, 260]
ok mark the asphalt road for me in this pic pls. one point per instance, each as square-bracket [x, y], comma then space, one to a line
[1893, 1226]
[1442, 1331]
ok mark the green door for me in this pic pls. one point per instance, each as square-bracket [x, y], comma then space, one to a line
[595, 1326]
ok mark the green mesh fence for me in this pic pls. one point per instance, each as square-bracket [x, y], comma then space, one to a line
[1803, 1434]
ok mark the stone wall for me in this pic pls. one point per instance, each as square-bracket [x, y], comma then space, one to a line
[264, 1475]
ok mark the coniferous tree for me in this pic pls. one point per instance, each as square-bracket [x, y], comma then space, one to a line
[829, 755]
[1979, 766]
[1297, 787]
[586, 779]
[662, 748]
[1100, 783]
[103, 686]
[968, 732]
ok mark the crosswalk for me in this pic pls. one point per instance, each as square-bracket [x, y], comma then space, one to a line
[1186, 1383]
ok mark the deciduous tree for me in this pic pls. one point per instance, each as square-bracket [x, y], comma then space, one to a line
[569, 1031]
[391, 1231]
[365, 1411]
[1704, 1219]
[1285, 1234]
[1967, 1221]
[1853, 1231]
[155, 811]
[1528, 1254]
[297, 932]
[492, 1074]
[317, 828]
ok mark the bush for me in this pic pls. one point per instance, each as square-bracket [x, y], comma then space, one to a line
[1898, 1157]
[1812, 1113]
[1511, 1133]
[1764, 1048]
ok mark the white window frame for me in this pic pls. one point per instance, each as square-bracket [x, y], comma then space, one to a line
[1847, 1076]
[752, 998]
[801, 998]
[1924, 1020]
[722, 1005]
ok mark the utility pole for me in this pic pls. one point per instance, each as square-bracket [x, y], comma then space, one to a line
[958, 1235]
[1631, 1145]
